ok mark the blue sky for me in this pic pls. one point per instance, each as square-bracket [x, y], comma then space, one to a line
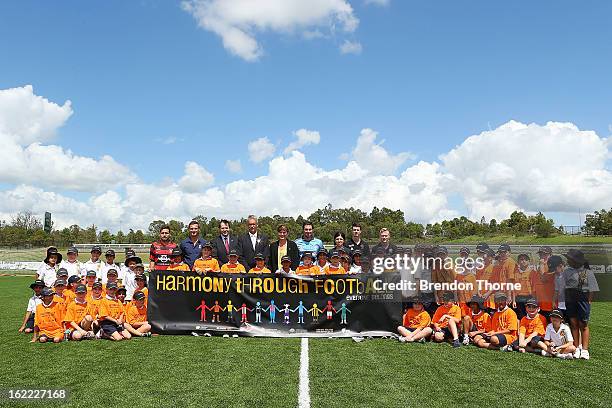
[429, 75]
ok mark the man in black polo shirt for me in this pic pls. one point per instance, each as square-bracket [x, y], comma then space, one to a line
[356, 243]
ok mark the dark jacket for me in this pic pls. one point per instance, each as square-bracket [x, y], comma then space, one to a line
[246, 254]
[219, 251]
[292, 252]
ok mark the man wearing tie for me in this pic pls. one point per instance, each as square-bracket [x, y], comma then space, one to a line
[224, 243]
[251, 243]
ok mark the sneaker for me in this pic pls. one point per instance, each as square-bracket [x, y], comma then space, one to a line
[584, 354]
[148, 334]
[577, 352]
[456, 343]
[565, 356]
[421, 340]
[402, 339]
[507, 348]
[466, 340]
[545, 353]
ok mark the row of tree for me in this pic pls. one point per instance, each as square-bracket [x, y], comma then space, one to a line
[25, 229]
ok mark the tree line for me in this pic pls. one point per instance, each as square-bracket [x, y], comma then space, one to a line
[25, 229]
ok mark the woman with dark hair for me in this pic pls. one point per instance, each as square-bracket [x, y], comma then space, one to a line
[339, 244]
[283, 247]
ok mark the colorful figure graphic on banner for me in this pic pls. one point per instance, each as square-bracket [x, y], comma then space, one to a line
[203, 308]
[273, 309]
[300, 309]
[243, 311]
[216, 309]
[342, 311]
[230, 311]
[287, 311]
[315, 312]
[258, 312]
[328, 310]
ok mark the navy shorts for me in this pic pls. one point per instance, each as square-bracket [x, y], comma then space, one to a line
[108, 327]
[30, 322]
[502, 339]
[580, 310]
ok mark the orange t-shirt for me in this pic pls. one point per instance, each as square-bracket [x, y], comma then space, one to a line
[235, 268]
[110, 308]
[307, 270]
[76, 312]
[484, 274]
[334, 270]
[135, 315]
[505, 320]
[206, 265]
[416, 320]
[504, 271]
[482, 321]
[526, 279]
[48, 319]
[544, 287]
[453, 311]
[70, 295]
[62, 304]
[178, 267]
[535, 325]
[258, 270]
[465, 295]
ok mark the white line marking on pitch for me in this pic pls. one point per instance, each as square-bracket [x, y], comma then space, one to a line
[304, 397]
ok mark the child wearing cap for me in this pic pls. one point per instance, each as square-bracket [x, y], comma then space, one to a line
[48, 319]
[322, 260]
[136, 316]
[415, 324]
[504, 326]
[345, 262]
[109, 264]
[531, 329]
[558, 339]
[176, 261]
[483, 274]
[121, 292]
[233, 266]
[94, 263]
[446, 320]
[60, 298]
[71, 263]
[94, 299]
[111, 315]
[544, 284]
[356, 263]
[112, 276]
[504, 270]
[441, 273]
[260, 266]
[579, 284]
[47, 271]
[285, 265]
[79, 316]
[526, 276]
[307, 268]
[477, 321]
[28, 320]
[206, 262]
[334, 267]
[130, 270]
[73, 282]
[556, 266]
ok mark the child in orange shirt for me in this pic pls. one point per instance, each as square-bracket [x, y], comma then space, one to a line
[111, 315]
[78, 318]
[415, 325]
[504, 326]
[206, 263]
[526, 276]
[446, 320]
[334, 267]
[307, 268]
[532, 328]
[136, 316]
[477, 321]
[176, 261]
[260, 264]
[233, 266]
[48, 319]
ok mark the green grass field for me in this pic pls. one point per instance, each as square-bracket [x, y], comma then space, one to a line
[219, 372]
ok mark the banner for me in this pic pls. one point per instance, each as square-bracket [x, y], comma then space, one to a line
[272, 305]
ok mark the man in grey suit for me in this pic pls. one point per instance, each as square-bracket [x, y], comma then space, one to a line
[224, 243]
[252, 243]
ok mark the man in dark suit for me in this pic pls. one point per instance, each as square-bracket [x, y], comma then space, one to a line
[223, 243]
[251, 243]
[287, 247]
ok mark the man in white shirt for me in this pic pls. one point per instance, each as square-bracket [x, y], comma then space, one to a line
[72, 264]
[94, 263]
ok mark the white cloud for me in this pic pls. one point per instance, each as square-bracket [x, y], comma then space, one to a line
[233, 166]
[238, 22]
[168, 140]
[555, 167]
[304, 137]
[378, 2]
[351, 47]
[26, 120]
[261, 149]
[375, 158]
[196, 178]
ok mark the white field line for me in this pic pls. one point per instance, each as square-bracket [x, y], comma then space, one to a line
[304, 393]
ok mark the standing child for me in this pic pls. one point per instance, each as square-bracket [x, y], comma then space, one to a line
[94, 263]
[526, 277]
[544, 285]
[558, 339]
[136, 316]
[28, 320]
[446, 320]
[47, 271]
[109, 264]
[415, 324]
[556, 266]
[48, 319]
[72, 264]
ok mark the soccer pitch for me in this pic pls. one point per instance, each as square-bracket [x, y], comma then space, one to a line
[185, 371]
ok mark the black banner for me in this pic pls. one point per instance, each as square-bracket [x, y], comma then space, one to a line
[273, 305]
